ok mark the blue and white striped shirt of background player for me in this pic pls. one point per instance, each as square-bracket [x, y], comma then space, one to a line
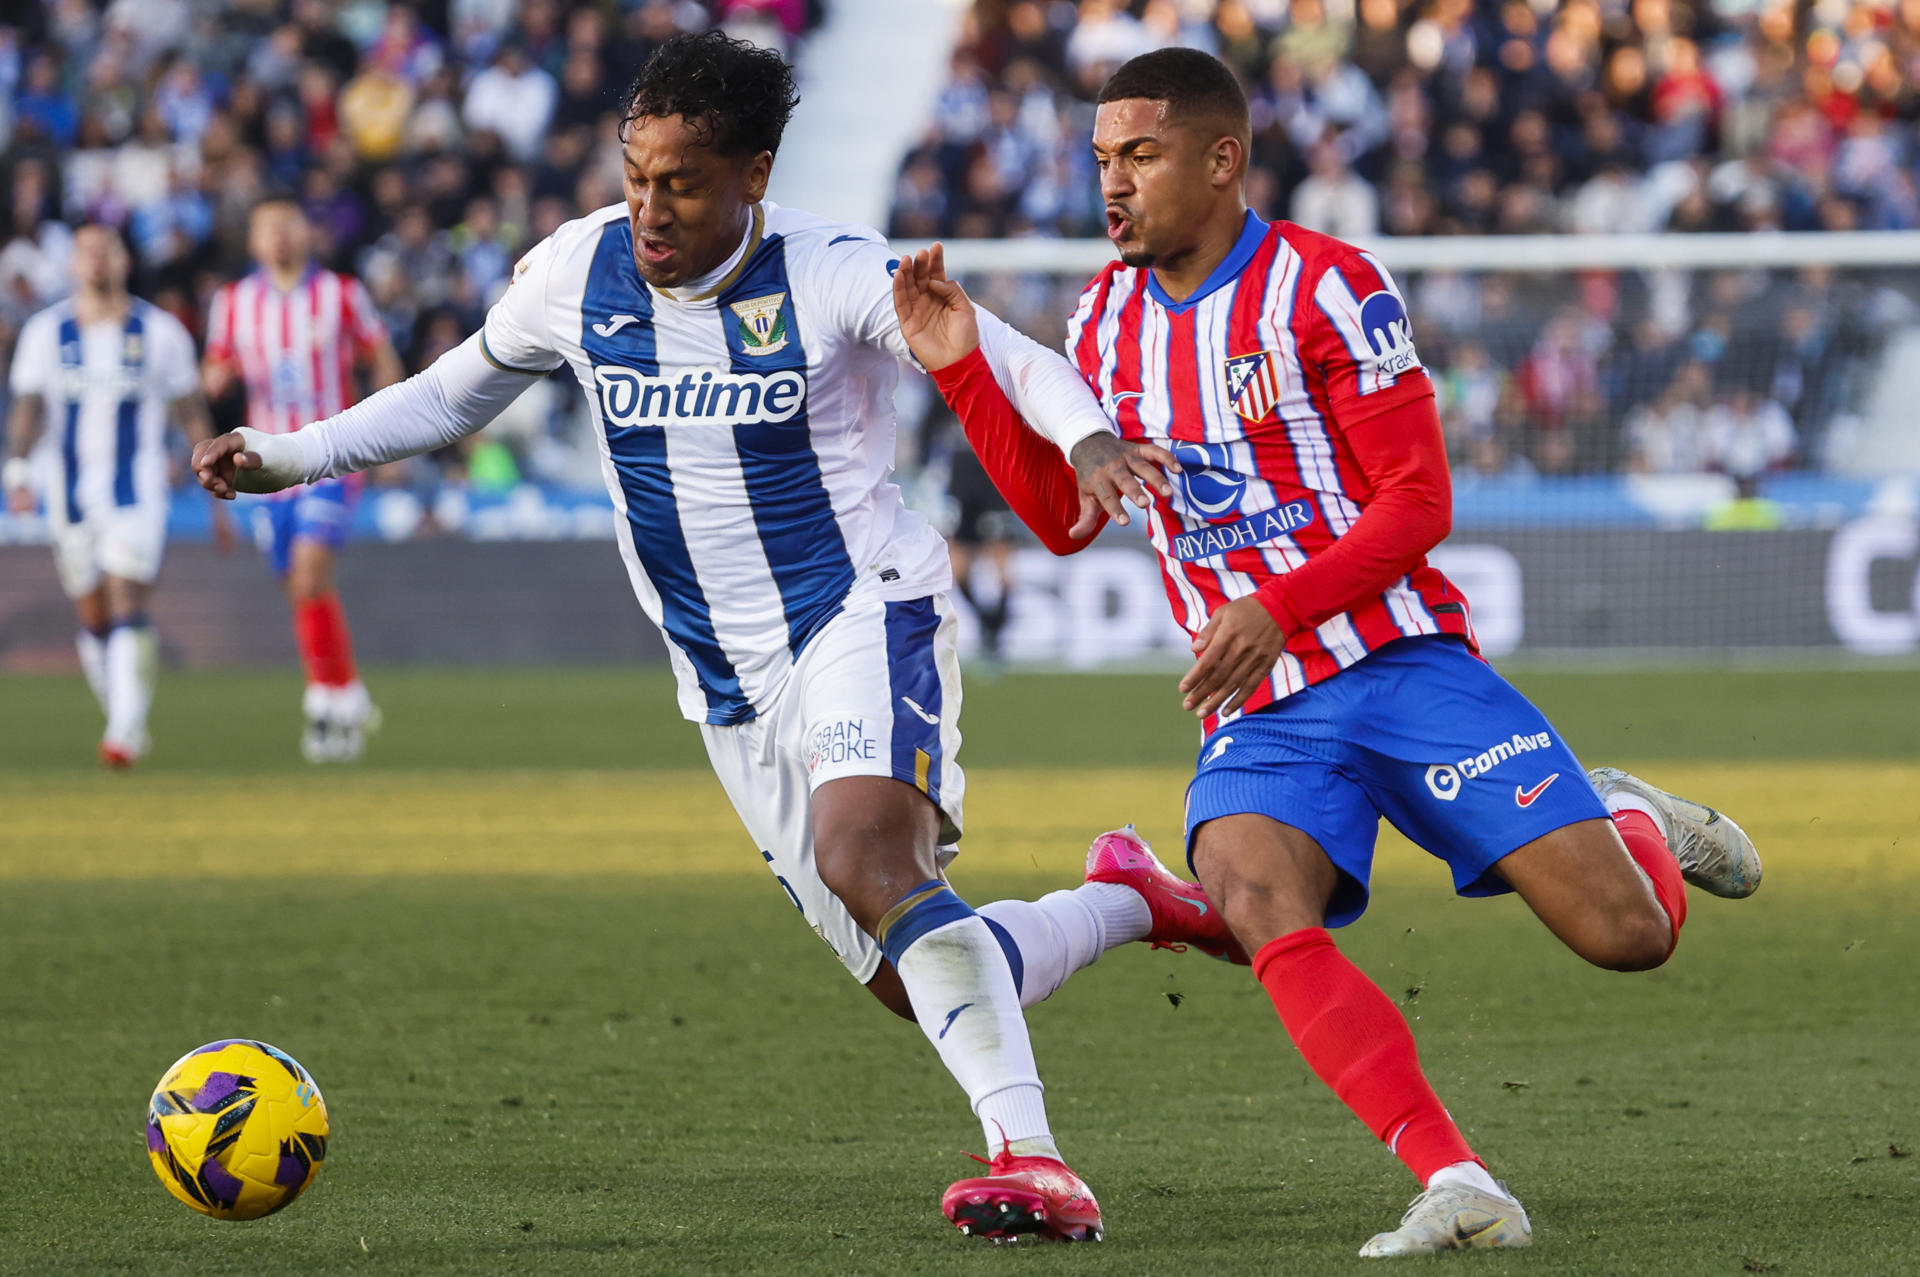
[745, 425]
[107, 391]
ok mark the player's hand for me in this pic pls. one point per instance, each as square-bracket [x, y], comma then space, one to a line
[220, 464]
[217, 377]
[21, 500]
[1111, 471]
[1234, 656]
[936, 315]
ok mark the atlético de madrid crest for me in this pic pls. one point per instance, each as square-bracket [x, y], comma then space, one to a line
[1253, 384]
[763, 323]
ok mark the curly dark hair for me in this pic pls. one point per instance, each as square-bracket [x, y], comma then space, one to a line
[737, 95]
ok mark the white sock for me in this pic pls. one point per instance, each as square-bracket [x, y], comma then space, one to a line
[1470, 1175]
[963, 996]
[93, 663]
[130, 673]
[1064, 931]
[1621, 801]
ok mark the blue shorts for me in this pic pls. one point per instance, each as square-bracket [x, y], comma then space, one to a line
[321, 513]
[1422, 732]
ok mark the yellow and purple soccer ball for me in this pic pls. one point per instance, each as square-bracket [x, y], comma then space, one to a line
[236, 1129]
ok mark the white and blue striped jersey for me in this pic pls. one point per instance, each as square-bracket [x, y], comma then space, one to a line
[107, 390]
[746, 433]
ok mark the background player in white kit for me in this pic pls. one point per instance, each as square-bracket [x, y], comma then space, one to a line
[739, 359]
[98, 376]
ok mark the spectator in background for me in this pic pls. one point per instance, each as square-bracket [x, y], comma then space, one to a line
[1333, 200]
[45, 111]
[514, 100]
[1668, 435]
[1748, 434]
[38, 248]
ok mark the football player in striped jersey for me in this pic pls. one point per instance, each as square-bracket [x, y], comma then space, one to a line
[738, 360]
[1272, 371]
[292, 336]
[105, 371]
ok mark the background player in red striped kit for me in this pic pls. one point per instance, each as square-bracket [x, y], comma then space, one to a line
[291, 336]
[1272, 372]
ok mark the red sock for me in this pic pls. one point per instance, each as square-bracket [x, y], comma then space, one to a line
[1649, 850]
[1359, 1044]
[326, 649]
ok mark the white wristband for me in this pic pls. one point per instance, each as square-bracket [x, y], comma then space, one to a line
[281, 462]
[16, 473]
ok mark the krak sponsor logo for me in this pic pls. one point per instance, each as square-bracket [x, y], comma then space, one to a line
[1383, 319]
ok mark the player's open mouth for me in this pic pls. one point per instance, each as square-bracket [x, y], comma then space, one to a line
[655, 251]
[1119, 225]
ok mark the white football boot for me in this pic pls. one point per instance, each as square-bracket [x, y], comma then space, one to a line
[339, 720]
[1453, 1217]
[1714, 853]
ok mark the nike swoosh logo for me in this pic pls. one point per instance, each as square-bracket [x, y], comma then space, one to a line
[932, 720]
[848, 239]
[1462, 1233]
[1130, 394]
[952, 1016]
[1220, 747]
[1201, 905]
[614, 324]
[1525, 797]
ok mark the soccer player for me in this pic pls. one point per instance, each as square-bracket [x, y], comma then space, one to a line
[292, 336]
[1272, 371]
[107, 371]
[739, 360]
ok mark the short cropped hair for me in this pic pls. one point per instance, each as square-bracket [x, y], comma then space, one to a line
[737, 95]
[1192, 84]
[276, 197]
[119, 233]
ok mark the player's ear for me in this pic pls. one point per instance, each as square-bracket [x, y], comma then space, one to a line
[759, 169]
[1228, 161]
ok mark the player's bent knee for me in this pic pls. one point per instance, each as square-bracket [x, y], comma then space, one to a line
[1639, 941]
[887, 987]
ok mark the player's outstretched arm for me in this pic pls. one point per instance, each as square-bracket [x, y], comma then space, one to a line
[940, 326]
[461, 392]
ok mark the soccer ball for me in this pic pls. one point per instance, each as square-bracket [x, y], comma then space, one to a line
[236, 1129]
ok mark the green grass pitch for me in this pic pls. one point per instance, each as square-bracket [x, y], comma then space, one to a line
[565, 1022]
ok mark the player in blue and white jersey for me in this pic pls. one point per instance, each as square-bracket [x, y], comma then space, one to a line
[739, 359]
[96, 379]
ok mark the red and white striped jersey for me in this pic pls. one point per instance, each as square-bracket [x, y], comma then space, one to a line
[1252, 382]
[294, 350]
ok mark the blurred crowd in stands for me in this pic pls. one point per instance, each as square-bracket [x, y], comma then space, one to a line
[1474, 117]
[431, 143]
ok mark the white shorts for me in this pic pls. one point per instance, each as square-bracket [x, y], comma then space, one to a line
[123, 541]
[876, 693]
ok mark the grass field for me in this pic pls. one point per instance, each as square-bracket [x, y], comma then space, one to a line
[566, 1023]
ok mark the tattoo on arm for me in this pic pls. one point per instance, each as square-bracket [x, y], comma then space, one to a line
[24, 423]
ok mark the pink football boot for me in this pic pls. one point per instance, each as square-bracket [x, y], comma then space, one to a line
[1182, 914]
[1024, 1196]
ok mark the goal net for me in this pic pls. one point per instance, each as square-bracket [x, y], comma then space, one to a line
[1663, 447]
